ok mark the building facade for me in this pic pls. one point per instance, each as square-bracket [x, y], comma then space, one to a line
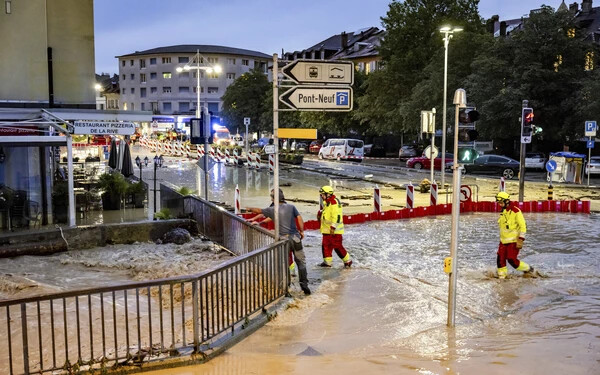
[149, 80]
[47, 49]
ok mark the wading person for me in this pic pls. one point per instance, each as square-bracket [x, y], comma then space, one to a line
[332, 228]
[512, 234]
[288, 218]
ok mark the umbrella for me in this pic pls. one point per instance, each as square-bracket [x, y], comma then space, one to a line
[127, 167]
[113, 156]
[120, 155]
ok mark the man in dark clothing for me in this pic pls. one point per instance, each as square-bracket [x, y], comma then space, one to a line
[291, 226]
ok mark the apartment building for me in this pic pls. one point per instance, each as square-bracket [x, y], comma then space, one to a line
[149, 80]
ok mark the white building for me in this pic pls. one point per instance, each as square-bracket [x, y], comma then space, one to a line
[149, 80]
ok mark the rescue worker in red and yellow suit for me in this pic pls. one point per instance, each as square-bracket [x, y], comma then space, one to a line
[512, 234]
[332, 228]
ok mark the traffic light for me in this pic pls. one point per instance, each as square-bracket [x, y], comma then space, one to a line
[527, 125]
[467, 155]
[467, 135]
[467, 117]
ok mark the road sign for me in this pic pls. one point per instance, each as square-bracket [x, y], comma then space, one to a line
[590, 143]
[590, 129]
[311, 71]
[551, 166]
[269, 149]
[200, 162]
[465, 193]
[246, 120]
[428, 152]
[314, 98]
[427, 121]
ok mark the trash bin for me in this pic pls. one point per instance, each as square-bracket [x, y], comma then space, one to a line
[569, 167]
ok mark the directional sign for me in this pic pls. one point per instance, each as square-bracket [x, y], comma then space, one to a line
[311, 98]
[590, 143]
[269, 149]
[311, 71]
[200, 163]
[465, 193]
[590, 129]
[551, 166]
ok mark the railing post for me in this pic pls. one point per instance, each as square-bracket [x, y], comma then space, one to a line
[195, 316]
[25, 343]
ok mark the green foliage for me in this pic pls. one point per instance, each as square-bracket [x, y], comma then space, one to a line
[246, 98]
[136, 188]
[113, 184]
[184, 190]
[163, 214]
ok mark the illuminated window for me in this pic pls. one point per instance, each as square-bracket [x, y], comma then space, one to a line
[213, 75]
[167, 75]
[124, 106]
[589, 61]
[571, 33]
[557, 62]
[7, 7]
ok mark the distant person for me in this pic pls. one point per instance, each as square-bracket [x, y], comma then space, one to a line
[332, 228]
[512, 234]
[291, 227]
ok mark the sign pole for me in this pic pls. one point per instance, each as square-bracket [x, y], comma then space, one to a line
[588, 163]
[206, 135]
[432, 126]
[276, 139]
[246, 137]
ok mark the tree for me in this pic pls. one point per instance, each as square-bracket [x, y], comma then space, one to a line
[246, 98]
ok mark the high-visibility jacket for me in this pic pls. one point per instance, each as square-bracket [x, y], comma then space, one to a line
[512, 225]
[331, 216]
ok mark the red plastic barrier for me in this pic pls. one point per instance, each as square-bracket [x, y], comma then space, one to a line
[526, 206]
[374, 216]
[587, 206]
[311, 225]
[410, 213]
[545, 206]
[552, 206]
[566, 206]
[574, 207]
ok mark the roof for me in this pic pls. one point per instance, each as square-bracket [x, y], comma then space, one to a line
[192, 48]
[367, 47]
[360, 43]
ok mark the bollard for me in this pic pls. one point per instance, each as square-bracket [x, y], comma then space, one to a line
[271, 163]
[236, 157]
[410, 195]
[433, 194]
[502, 186]
[227, 157]
[238, 206]
[377, 199]
[550, 192]
[257, 158]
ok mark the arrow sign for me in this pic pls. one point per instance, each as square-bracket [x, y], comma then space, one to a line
[311, 98]
[311, 71]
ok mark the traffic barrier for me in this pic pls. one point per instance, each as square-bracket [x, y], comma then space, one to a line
[552, 206]
[566, 206]
[271, 163]
[257, 159]
[236, 157]
[586, 206]
[410, 195]
[433, 194]
[502, 185]
[237, 206]
[376, 199]
[526, 207]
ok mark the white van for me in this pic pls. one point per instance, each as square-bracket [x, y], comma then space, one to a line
[348, 149]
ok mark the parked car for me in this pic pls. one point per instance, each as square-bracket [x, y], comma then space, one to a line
[374, 150]
[423, 162]
[342, 148]
[315, 146]
[494, 164]
[409, 151]
[301, 146]
[535, 160]
[593, 166]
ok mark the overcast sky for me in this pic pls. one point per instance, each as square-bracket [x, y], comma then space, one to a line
[125, 26]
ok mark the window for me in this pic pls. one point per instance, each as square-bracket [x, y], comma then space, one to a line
[133, 106]
[123, 63]
[184, 106]
[132, 77]
[213, 60]
[153, 61]
[143, 106]
[230, 75]
[166, 60]
[183, 59]
[184, 89]
[152, 75]
[142, 78]
[230, 61]
[245, 62]
[7, 5]
[123, 91]
[166, 90]
[167, 75]
[154, 106]
[201, 74]
[184, 75]
[153, 90]
[131, 62]
[196, 89]
[213, 90]
[167, 106]
[213, 75]
[124, 77]
[142, 63]
[142, 92]
[124, 106]
[132, 91]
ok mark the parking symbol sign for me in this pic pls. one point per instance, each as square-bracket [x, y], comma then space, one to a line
[341, 98]
[590, 128]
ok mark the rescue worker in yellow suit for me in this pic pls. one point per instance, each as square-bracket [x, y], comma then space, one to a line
[512, 234]
[332, 228]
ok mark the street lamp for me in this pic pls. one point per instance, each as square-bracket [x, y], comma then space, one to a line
[208, 69]
[158, 162]
[447, 31]
[141, 163]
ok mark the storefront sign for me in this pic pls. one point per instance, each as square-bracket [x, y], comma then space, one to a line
[19, 130]
[103, 127]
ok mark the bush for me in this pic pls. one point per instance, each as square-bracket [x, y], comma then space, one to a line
[184, 190]
[163, 214]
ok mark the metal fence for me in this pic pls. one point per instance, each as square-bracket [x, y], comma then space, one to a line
[133, 323]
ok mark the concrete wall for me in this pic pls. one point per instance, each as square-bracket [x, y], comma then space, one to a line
[67, 26]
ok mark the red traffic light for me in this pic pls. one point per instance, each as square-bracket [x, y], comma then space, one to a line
[528, 116]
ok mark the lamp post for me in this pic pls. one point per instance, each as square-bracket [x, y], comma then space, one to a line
[208, 69]
[447, 31]
[158, 162]
[141, 163]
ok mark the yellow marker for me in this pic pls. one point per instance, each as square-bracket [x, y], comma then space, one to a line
[448, 265]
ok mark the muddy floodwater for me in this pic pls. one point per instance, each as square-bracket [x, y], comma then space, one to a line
[388, 313]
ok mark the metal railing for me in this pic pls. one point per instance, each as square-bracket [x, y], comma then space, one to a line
[136, 322]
